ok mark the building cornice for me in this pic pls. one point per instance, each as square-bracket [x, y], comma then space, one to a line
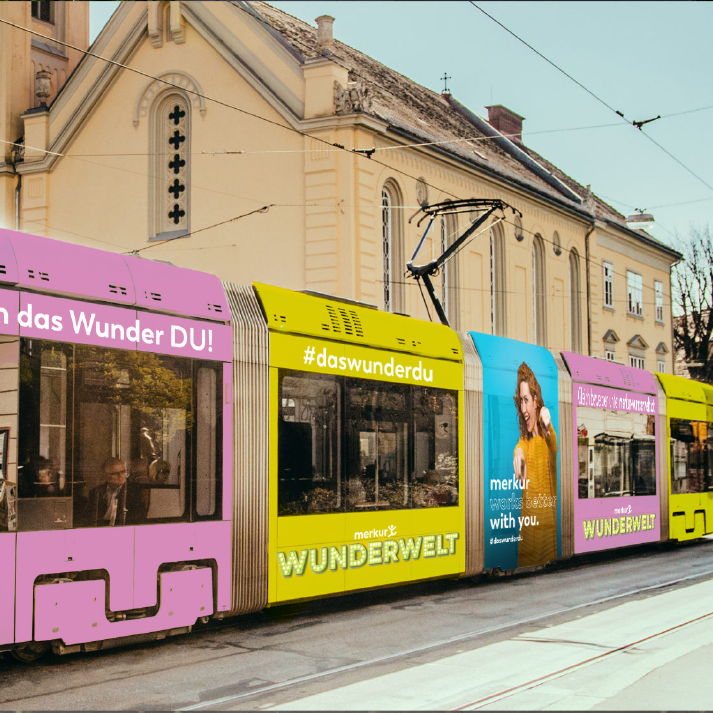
[493, 174]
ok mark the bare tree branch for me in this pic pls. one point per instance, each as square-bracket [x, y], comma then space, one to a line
[693, 305]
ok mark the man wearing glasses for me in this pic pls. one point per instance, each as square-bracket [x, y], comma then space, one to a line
[109, 503]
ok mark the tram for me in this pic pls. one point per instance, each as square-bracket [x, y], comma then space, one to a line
[175, 449]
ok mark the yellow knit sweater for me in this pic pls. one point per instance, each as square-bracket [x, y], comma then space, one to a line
[539, 500]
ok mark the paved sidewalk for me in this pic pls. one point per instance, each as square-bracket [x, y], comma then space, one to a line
[563, 667]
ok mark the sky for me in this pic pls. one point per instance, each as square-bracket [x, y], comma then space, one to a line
[643, 59]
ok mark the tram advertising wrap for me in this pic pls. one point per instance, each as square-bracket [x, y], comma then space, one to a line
[616, 499]
[521, 458]
[366, 484]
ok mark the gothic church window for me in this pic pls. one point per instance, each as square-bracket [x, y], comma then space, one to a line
[170, 173]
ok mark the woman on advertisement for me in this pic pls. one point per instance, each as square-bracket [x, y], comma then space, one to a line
[535, 466]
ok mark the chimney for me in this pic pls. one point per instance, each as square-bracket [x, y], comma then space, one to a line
[506, 122]
[324, 32]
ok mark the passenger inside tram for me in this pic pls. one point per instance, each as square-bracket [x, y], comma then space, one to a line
[118, 500]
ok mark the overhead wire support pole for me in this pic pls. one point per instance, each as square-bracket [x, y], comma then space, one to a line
[450, 207]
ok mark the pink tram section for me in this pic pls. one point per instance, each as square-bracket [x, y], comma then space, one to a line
[115, 423]
[619, 485]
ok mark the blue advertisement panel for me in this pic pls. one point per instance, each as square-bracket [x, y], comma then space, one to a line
[520, 453]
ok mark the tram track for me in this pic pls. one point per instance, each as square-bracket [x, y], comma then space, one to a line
[565, 670]
[444, 642]
[146, 679]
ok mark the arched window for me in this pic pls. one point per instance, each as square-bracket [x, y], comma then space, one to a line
[392, 244]
[575, 302]
[170, 170]
[498, 294]
[450, 277]
[539, 290]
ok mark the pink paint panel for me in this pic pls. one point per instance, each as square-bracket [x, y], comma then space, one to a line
[174, 289]
[8, 263]
[637, 518]
[65, 320]
[51, 265]
[48, 265]
[228, 450]
[9, 308]
[600, 371]
[74, 611]
[7, 587]
[614, 399]
[181, 542]
[605, 523]
[186, 337]
[110, 548]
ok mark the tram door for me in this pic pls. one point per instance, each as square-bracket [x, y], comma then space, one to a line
[9, 381]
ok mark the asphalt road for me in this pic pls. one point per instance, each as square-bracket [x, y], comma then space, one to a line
[335, 654]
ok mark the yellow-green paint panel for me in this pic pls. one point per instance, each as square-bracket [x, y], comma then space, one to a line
[315, 555]
[337, 552]
[678, 387]
[325, 357]
[690, 514]
[293, 312]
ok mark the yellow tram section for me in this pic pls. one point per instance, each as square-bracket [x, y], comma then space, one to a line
[311, 555]
[689, 447]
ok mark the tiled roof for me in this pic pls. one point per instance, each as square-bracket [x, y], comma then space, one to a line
[428, 116]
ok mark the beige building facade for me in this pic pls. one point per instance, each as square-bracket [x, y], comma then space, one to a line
[233, 138]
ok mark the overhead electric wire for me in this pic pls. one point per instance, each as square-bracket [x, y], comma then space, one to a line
[549, 61]
[375, 149]
[332, 145]
[598, 98]
[262, 209]
[358, 152]
[509, 136]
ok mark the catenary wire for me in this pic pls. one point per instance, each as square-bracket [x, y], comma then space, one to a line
[598, 98]
[227, 105]
[357, 152]
[264, 209]
[376, 149]
[230, 106]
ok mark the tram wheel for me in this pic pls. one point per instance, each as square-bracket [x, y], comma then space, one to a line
[30, 652]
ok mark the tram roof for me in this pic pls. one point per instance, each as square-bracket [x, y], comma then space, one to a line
[53, 266]
[678, 387]
[331, 318]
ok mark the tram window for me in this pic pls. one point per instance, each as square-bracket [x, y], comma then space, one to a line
[435, 467]
[616, 453]
[691, 450]
[308, 470]
[377, 416]
[81, 405]
[398, 447]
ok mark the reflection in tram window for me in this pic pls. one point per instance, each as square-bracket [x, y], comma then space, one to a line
[616, 453]
[398, 449]
[81, 405]
[691, 454]
[307, 440]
